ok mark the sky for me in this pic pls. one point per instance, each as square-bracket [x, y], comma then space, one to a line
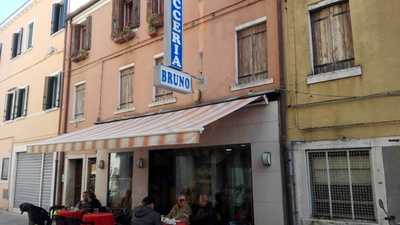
[9, 6]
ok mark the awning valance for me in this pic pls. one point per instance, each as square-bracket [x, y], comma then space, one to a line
[171, 128]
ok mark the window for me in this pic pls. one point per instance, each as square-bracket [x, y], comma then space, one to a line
[161, 94]
[222, 172]
[17, 43]
[16, 103]
[125, 16]
[341, 186]
[4, 168]
[82, 38]
[126, 88]
[79, 106]
[51, 97]
[332, 39]
[1, 49]
[252, 53]
[59, 13]
[29, 43]
[120, 177]
[155, 12]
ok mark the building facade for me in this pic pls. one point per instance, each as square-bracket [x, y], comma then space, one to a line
[341, 60]
[31, 65]
[124, 135]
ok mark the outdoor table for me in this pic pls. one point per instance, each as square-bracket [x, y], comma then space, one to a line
[99, 218]
[70, 214]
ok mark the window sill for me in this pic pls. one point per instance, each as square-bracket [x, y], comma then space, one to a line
[238, 87]
[20, 118]
[28, 50]
[339, 222]
[3, 181]
[77, 120]
[119, 111]
[51, 110]
[334, 75]
[82, 55]
[163, 102]
[57, 32]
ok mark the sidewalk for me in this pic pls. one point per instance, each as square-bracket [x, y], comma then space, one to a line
[8, 218]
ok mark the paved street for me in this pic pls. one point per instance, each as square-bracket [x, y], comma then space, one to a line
[7, 218]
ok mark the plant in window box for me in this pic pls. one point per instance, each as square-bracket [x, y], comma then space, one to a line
[82, 54]
[155, 22]
[125, 35]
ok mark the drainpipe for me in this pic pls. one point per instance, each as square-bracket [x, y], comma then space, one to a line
[63, 117]
[283, 139]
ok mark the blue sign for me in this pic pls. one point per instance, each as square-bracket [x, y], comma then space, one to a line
[173, 39]
[170, 78]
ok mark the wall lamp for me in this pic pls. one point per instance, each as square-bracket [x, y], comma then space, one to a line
[266, 159]
[101, 164]
[140, 163]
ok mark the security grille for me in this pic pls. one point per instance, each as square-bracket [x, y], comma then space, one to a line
[341, 186]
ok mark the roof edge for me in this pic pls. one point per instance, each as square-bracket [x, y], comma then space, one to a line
[81, 9]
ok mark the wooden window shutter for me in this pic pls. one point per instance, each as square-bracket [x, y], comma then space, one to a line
[20, 40]
[45, 93]
[87, 39]
[135, 13]
[322, 38]
[54, 18]
[1, 49]
[260, 57]
[149, 9]
[75, 43]
[6, 107]
[244, 53]
[59, 88]
[117, 13]
[14, 46]
[25, 108]
[342, 40]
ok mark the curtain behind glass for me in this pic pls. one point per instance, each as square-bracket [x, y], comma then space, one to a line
[120, 177]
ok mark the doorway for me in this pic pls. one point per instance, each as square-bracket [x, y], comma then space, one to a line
[74, 182]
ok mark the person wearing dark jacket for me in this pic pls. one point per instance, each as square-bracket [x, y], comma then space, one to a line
[203, 213]
[145, 214]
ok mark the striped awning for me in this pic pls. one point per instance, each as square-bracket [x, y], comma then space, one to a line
[172, 128]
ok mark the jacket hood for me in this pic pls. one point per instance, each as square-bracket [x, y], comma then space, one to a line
[142, 212]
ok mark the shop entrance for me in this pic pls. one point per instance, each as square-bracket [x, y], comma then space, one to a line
[221, 172]
[74, 182]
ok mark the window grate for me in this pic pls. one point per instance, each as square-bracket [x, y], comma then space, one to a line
[341, 186]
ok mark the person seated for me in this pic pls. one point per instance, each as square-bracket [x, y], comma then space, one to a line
[84, 203]
[181, 210]
[126, 202]
[94, 202]
[203, 212]
[145, 214]
[89, 202]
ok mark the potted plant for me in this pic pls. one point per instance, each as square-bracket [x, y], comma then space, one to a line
[82, 54]
[125, 35]
[155, 22]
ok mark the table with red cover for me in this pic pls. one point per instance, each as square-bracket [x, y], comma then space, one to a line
[99, 218]
[70, 214]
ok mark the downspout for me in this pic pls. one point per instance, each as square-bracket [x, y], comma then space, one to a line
[63, 117]
[283, 139]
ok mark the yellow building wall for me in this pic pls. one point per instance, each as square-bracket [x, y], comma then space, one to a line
[359, 107]
[29, 68]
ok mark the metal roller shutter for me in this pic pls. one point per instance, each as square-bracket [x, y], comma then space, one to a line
[34, 181]
[27, 178]
[47, 182]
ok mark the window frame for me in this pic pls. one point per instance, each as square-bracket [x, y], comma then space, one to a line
[15, 93]
[332, 75]
[31, 22]
[61, 17]
[74, 119]
[307, 164]
[2, 178]
[19, 45]
[129, 66]
[170, 100]
[239, 28]
[58, 92]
